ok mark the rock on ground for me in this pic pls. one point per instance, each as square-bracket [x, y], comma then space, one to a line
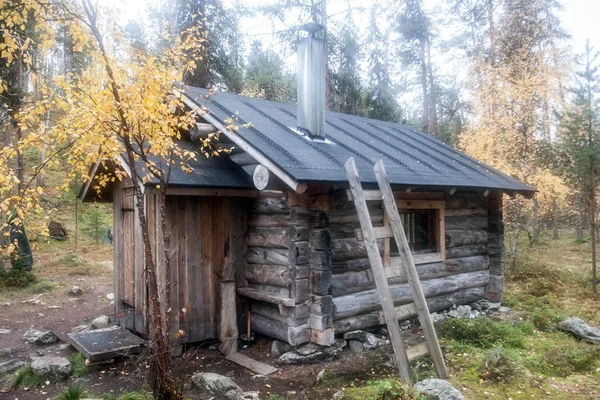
[355, 346]
[437, 319]
[308, 348]
[59, 367]
[102, 321]
[327, 353]
[361, 336]
[75, 291]
[371, 342]
[439, 389]
[40, 337]
[218, 385]
[10, 366]
[278, 348]
[579, 328]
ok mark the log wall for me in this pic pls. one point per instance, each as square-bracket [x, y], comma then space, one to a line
[302, 250]
[462, 277]
[277, 266]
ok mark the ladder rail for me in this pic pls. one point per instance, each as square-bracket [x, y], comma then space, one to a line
[379, 277]
[411, 271]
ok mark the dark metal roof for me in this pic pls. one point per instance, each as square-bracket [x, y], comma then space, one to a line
[213, 172]
[411, 158]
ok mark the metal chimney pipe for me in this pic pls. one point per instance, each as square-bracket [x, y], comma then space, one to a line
[311, 83]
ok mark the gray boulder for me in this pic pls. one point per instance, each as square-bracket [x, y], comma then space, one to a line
[437, 319]
[75, 291]
[10, 366]
[361, 336]
[327, 353]
[308, 348]
[4, 331]
[579, 328]
[371, 342]
[102, 321]
[355, 346]
[40, 337]
[218, 385]
[58, 367]
[278, 348]
[460, 312]
[339, 395]
[438, 389]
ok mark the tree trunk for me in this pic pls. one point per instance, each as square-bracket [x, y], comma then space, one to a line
[425, 89]
[535, 221]
[580, 217]
[554, 222]
[593, 240]
[433, 118]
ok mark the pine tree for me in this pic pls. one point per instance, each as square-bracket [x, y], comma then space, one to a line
[579, 142]
[380, 100]
[265, 77]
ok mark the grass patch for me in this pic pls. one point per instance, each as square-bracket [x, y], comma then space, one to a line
[26, 378]
[16, 278]
[139, 395]
[69, 260]
[500, 368]
[565, 358]
[80, 368]
[483, 333]
[74, 392]
[385, 389]
[41, 286]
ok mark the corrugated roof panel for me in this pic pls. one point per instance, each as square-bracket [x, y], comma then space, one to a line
[411, 158]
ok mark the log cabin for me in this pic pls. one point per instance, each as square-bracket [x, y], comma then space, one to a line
[267, 234]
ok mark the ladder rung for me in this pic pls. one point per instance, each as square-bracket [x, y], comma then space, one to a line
[370, 195]
[381, 232]
[402, 312]
[417, 351]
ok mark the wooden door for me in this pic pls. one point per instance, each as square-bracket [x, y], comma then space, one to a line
[199, 244]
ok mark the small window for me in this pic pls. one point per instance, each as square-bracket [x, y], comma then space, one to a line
[419, 226]
[423, 223]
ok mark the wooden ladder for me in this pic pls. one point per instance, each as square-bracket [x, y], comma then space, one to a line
[405, 266]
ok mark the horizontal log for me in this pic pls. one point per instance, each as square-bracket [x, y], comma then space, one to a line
[466, 251]
[298, 233]
[320, 282]
[261, 295]
[459, 237]
[347, 249]
[270, 205]
[362, 302]
[359, 264]
[349, 216]
[435, 303]
[267, 220]
[343, 231]
[299, 290]
[272, 311]
[270, 290]
[320, 260]
[472, 222]
[274, 237]
[276, 275]
[261, 255]
[353, 282]
[465, 212]
[320, 322]
[321, 305]
[201, 131]
[466, 200]
[320, 239]
[278, 330]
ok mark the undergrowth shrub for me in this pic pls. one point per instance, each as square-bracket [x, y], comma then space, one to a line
[16, 278]
[482, 332]
[567, 359]
[74, 392]
[25, 377]
[500, 368]
[41, 286]
[69, 260]
[80, 368]
[385, 389]
[546, 319]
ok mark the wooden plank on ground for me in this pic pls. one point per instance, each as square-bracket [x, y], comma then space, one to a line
[378, 272]
[412, 274]
[106, 343]
[251, 364]
[417, 351]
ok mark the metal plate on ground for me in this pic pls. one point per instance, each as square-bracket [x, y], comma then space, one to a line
[106, 343]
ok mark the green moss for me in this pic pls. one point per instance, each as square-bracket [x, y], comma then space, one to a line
[41, 286]
[565, 359]
[139, 395]
[500, 368]
[482, 332]
[385, 389]
[16, 278]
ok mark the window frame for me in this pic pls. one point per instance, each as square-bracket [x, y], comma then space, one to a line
[439, 206]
